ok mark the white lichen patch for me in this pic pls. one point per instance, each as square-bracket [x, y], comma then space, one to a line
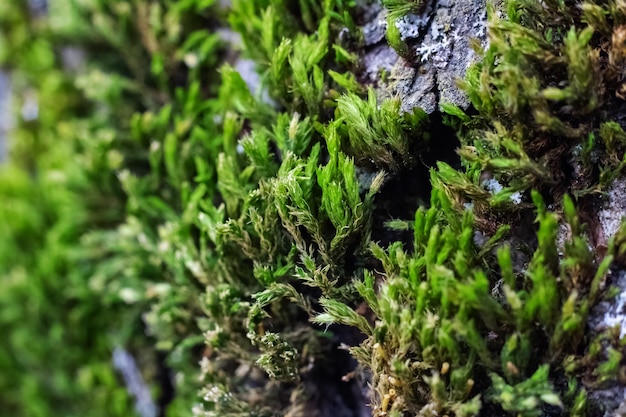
[437, 46]
[411, 25]
[617, 316]
[441, 52]
[613, 209]
[494, 187]
[516, 197]
[606, 315]
[611, 313]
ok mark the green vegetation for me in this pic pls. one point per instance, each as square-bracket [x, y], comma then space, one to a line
[225, 225]
[545, 94]
[400, 8]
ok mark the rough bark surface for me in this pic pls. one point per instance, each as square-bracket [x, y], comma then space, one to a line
[440, 52]
[607, 314]
[611, 313]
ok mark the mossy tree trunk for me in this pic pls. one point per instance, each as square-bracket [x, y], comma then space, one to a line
[337, 208]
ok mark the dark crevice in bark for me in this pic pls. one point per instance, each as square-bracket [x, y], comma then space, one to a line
[404, 193]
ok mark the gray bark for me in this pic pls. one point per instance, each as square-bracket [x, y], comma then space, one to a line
[439, 41]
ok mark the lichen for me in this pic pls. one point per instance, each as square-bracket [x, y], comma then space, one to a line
[433, 51]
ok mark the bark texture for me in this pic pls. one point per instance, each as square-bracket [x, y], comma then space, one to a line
[440, 52]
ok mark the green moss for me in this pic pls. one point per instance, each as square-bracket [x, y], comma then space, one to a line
[399, 8]
[544, 91]
[435, 305]
[240, 225]
[381, 134]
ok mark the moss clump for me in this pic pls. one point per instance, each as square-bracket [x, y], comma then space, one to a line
[450, 313]
[381, 134]
[548, 97]
[226, 199]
